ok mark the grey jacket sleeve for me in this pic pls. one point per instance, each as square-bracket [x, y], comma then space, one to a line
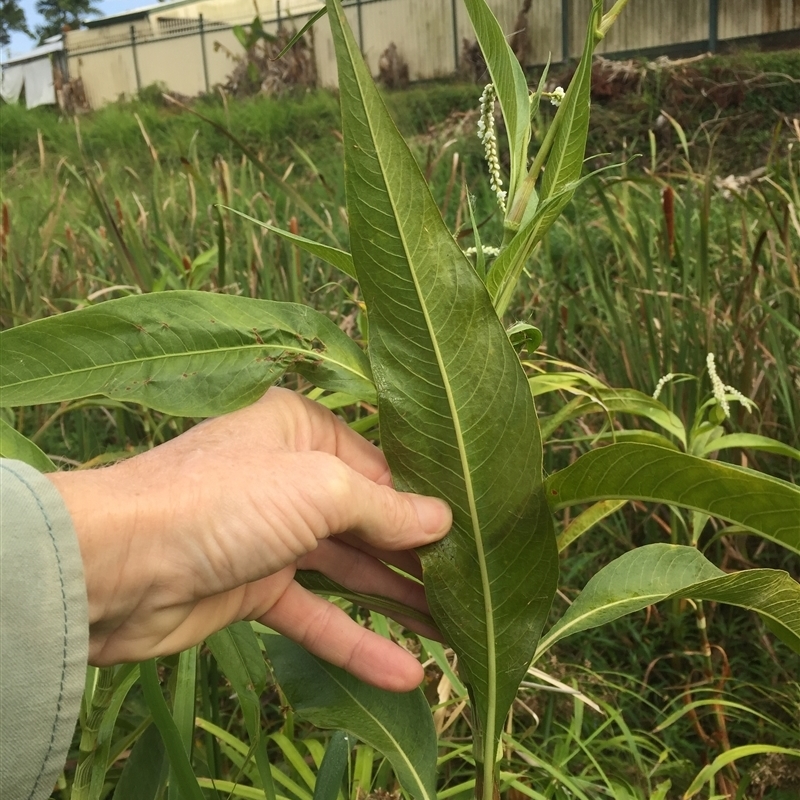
[44, 632]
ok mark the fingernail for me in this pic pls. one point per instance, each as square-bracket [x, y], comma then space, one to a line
[434, 515]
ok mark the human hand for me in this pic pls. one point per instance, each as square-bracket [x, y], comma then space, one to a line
[210, 527]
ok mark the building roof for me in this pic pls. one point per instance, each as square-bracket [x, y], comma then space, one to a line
[52, 45]
[134, 14]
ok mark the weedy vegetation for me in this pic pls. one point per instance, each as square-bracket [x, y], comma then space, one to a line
[564, 355]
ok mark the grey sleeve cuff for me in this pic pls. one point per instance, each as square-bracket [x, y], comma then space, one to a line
[44, 632]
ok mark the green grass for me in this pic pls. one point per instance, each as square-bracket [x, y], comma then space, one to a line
[266, 124]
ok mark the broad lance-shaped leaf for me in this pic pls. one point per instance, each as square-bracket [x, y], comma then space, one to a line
[14, 445]
[398, 724]
[637, 404]
[657, 572]
[765, 505]
[184, 353]
[456, 415]
[750, 441]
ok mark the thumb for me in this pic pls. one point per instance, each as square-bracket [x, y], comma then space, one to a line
[376, 513]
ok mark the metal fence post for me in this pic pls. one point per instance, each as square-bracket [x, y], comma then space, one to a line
[455, 35]
[135, 60]
[203, 51]
[66, 61]
[280, 22]
[360, 27]
[713, 25]
[565, 30]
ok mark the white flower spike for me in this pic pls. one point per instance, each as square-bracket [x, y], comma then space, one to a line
[488, 250]
[556, 96]
[486, 134]
[717, 386]
[661, 384]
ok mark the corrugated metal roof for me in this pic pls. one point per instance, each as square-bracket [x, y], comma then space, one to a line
[134, 14]
[37, 52]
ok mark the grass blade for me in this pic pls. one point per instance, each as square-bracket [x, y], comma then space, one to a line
[178, 758]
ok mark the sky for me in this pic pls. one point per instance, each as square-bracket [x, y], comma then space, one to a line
[20, 43]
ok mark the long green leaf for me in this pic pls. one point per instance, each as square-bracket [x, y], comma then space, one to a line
[178, 757]
[631, 582]
[183, 708]
[620, 401]
[750, 441]
[765, 505]
[555, 381]
[125, 677]
[14, 445]
[333, 767]
[239, 656]
[456, 415]
[184, 353]
[299, 35]
[585, 521]
[729, 756]
[231, 789]
[510, 85]
[656, 572]
[637, 404]
[330, 255]
[507, 267]
[399, 725]
[772, 593]
[565, 160]
[144, 770]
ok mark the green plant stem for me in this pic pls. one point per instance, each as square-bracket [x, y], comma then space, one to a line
[610, 18]
[719, 712]
[101, 699]
[521, 208]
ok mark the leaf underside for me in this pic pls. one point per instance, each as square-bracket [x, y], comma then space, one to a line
[399, 725]
[183, 353]
[456, 415]
[657, 572]
[767, 506]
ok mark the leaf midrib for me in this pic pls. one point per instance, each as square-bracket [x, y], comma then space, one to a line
[546, 641]
[187, 353]
[380, 724]
[491, 656]
[655, 597]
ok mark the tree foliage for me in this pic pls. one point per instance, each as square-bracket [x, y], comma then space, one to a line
[12, 18]
[58, 14]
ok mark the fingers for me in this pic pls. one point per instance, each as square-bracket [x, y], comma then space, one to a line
[316, 428]
[326, 631]
[356, 570]
[406, 560]
[382, 517]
